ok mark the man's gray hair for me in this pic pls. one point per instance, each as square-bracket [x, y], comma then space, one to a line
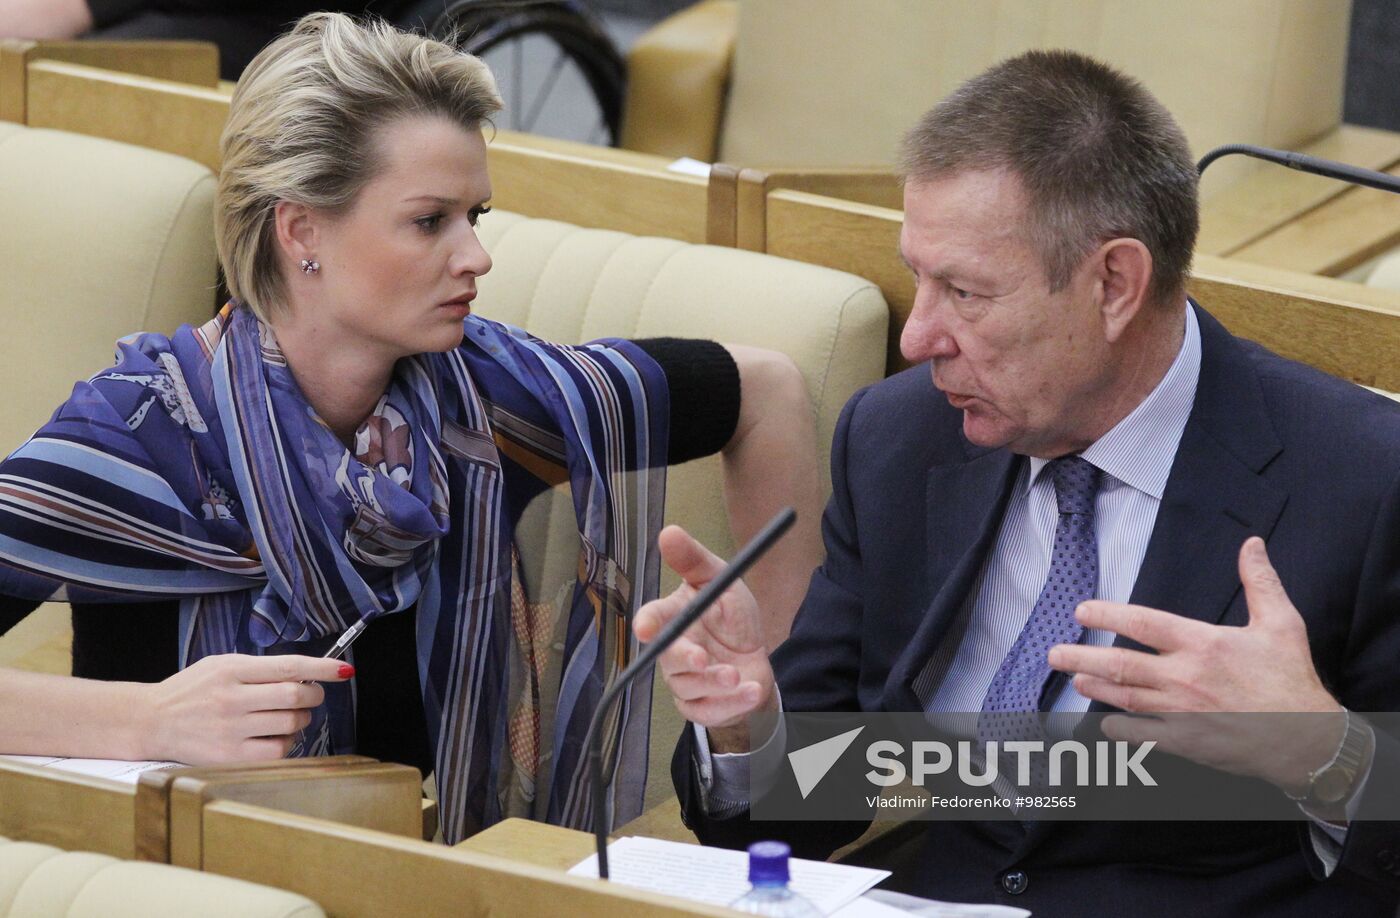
[1097, 154]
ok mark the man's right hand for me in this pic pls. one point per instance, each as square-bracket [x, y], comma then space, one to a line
[718, 671]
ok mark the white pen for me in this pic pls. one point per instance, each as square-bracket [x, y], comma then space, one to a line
[349, 636]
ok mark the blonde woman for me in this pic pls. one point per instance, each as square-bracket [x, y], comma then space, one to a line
[347, 443]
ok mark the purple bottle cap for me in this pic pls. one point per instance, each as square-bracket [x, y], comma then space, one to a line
[768, 863]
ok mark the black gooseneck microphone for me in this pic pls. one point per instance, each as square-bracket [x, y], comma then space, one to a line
[1304, 163]
[750, 553]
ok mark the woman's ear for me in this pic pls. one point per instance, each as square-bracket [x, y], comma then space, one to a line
[298, 231]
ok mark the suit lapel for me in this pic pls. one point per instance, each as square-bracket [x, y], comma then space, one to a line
[1212, 503]
[964, 506]
[1216, 496]
[1214, 499]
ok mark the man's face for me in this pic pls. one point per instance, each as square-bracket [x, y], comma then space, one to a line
[1024, 365]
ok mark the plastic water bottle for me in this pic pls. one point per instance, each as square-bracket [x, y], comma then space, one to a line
[769, 894]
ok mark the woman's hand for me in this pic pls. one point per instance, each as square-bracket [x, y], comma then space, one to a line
[234, 708]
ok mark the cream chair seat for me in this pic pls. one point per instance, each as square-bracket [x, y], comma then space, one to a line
[1385, 273]
[40, 881]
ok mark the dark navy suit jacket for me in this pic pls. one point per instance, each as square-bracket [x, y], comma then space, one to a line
[1271, 448]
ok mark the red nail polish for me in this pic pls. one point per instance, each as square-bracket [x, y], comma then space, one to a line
[345, 671]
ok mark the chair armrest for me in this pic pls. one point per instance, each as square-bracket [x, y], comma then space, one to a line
[195, 62]
[350, 789]
[678, 76]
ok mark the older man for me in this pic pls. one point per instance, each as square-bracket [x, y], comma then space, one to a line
[1075, 413]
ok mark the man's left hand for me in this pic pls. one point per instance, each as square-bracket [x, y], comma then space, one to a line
[1207, 669]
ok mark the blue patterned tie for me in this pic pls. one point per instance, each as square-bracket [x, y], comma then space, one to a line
[1073, 578]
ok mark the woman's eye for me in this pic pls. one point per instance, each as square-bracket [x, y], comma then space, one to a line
[428, 224]
[476, 213]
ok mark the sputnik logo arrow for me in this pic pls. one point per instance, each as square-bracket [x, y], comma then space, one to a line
[811, 763]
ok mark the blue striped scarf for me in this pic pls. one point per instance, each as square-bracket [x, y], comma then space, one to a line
[195, 468]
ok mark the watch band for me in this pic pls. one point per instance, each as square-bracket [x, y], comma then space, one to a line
[1333, 783]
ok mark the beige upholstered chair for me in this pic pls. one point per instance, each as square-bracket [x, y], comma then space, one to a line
[97, 239]
[40, 881]
[833, 83]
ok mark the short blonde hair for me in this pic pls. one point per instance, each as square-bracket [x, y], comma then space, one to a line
[302, 124]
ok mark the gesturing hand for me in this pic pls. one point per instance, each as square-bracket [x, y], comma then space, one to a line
[718, 671]
[236, 708]
[1265, 666]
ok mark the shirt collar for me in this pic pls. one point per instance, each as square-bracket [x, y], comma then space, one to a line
[1140, 449]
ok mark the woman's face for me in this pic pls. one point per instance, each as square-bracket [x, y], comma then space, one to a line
[399, 268]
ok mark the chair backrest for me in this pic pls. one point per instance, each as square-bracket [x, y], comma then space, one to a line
[832, 83]
[569, 284]
[40, 881]
[97, 239]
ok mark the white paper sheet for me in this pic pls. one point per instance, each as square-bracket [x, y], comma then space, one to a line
[114, 769]
[868, 908]
[880, 903]
[719, 876]
[687, 166]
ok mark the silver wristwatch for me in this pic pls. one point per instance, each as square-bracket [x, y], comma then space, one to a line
[1333, 783]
